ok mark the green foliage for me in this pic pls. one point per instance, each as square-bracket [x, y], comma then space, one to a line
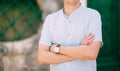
[116, 29]
[110, 27]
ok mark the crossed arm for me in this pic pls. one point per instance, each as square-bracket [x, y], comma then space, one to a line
[46, 57]
[88, 50]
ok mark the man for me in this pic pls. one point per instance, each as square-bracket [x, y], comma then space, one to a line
[71, 38]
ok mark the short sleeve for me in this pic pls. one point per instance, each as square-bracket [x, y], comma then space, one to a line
[45, 34]
[95, 26]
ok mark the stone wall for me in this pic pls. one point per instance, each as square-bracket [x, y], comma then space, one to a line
[22, 55]
[50, 6]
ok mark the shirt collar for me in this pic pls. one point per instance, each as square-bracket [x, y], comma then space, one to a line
[76, 10]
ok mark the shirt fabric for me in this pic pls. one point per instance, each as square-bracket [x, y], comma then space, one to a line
[70, 31]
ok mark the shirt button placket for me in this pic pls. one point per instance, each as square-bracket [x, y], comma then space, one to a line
[69, 34]
[68, 29]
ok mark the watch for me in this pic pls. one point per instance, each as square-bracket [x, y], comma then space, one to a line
[57, 49]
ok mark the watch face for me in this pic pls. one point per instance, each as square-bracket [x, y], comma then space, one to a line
[56, 49]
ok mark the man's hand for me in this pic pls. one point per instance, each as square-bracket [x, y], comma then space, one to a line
[88, 40]
[52, 47]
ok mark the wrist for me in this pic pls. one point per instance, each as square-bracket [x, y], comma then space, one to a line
[55, 48]
[51, 48]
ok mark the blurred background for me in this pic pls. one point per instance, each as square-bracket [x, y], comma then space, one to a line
[20, 27]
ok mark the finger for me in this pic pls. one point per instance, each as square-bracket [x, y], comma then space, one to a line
[90, 43]
[91, 36]
[91, 39]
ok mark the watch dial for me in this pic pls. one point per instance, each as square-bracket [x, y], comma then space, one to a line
[56, 49]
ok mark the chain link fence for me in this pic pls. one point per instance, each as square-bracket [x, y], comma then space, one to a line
[19, 19]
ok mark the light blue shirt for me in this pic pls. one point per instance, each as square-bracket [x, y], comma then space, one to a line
[70, 31]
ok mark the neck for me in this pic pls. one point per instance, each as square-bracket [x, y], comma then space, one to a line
[69, 8]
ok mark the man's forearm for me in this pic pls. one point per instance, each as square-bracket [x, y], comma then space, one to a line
[83, 52]
[52, 58]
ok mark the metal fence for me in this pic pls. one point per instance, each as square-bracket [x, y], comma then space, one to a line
[19, 19]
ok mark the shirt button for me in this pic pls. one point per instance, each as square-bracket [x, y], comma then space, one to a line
[69, 21]
[68, 34]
